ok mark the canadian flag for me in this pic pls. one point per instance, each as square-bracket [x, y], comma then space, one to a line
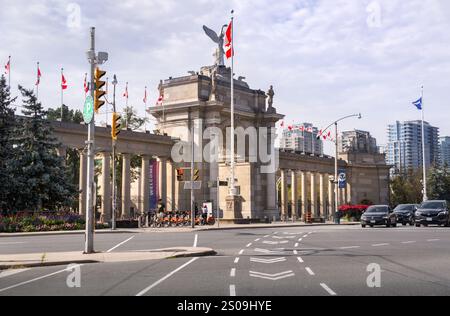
[309, 129]
[39, 75]
[125, 94]
[7, 67]
[145, 96]
[63, 82]
[85, 85]
[302, 128]
[160, 100]
[290, 128]
[229, 51]
[282, 124]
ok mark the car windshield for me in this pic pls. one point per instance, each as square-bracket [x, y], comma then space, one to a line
[433, 205]
[377, 209]
[404, 208]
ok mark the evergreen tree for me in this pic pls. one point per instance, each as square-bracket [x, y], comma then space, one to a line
[439, 183]
[7, 121]
[72, 116]
[42, 177]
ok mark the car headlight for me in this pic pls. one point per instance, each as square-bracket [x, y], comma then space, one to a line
[445, 213]
[418, 214]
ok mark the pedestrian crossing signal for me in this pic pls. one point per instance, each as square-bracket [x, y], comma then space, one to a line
[180, 175]
[115, 130]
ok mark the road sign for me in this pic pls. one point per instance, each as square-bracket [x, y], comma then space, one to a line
[223, 183]
[193, 185]
[88, 111]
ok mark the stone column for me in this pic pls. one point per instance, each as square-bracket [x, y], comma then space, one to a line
[62, 152]
[162, 179]
[284, 195]
[313, 196]
[106, 188]
[294, 188]
[304, 195]
[322, 195]
[144, 204]
[331, 210]
[170, 186]
[349, 193]
[126, 184]
[83, 182]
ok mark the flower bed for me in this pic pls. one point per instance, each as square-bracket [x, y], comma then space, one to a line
[42, 222]
[353, 213]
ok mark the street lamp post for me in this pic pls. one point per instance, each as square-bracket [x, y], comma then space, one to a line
[335, 180]
[114, 195]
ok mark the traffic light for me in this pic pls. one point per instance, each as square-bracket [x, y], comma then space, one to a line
[115, 127]
[98, 94]
[196, 175]
[180, 175]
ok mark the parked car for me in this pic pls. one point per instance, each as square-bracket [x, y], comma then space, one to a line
[433, 213]
[379, 215]
[405, 213]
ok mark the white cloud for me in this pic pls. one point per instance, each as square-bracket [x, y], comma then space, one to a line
[321, 56]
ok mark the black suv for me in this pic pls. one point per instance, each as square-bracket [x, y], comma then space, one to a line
[379, 215]
[432, 213]
[405, 213]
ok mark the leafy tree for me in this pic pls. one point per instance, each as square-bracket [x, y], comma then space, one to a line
[439, 183]
[407, 188]
[73, 116]
[7, 122]
[41, 176]
[131, 120]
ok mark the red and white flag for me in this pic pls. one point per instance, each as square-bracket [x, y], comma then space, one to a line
[302, 128]
[282, 124]
[8, 67]
[160, 100]
[125, 94]
[229, 51]
[309, 129]
[63, 82]
[85, 85]
[145, 96]
[290, 128]
[39, 75]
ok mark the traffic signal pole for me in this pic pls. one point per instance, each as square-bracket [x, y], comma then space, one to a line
[89, 235]
[114, 193]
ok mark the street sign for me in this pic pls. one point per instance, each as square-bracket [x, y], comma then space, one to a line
[193, 185]
[223, 183]
[88, 111]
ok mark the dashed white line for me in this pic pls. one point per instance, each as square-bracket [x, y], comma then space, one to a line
[232, 290]
[256, 240]
[326, 288]
[409, 242]
[300, 259]
[295, 252]
[266, 236]
[248, 245]
[195, 241]
[310, 272]
[233, 272]
[350, 247]
[241, 252]
[300, 239]
[431, 240]
[236, 260]
[34, 280]
[380, 245]
[304, 236]
[144, 291]
[120, 244]
[296, 245]
[12, 243]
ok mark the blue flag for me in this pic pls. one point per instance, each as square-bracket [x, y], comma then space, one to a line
[418, 104]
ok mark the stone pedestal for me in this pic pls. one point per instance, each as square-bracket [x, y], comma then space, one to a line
[233, 212]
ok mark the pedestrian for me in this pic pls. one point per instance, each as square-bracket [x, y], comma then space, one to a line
[205, 212]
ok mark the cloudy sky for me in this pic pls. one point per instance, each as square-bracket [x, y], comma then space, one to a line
[325, 58]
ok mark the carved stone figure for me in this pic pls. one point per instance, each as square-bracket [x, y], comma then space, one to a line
[219, 60]
[270, 94]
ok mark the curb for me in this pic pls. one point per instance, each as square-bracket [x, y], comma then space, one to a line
[60, 233]
[276, 226]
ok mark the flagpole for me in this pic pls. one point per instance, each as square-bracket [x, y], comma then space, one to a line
[425, 195]
[145, 110]
[37, 83]
[232, 186]
[126, 108]
[62, 94]
[9, 73]
[106, 110]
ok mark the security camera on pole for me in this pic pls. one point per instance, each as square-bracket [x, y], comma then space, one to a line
[91, 103]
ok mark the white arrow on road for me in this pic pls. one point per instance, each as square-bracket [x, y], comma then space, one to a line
[266, 251]
[267, 242]
[268, 261]
[272, 277]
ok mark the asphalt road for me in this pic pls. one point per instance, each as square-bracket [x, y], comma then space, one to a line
[250, 262]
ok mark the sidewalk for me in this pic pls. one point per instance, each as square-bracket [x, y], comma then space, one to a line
[181, 229]
[66, 258]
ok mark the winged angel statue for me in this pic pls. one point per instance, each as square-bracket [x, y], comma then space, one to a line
[219, 41]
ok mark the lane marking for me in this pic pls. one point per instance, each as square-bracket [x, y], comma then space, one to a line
[141, 293]
[304, 236]
[300, 239]
[295, 252]
[241, 252]
[236, 260]
[195, 240]
[311, 272]
[120, 244]
[268, 261]
[248, 245]
[409, 242]
[12, 243]
[300, 259]
[233, 272]
[266, 236]
[296, 245]
[8, 273]
[380, 245]
[36, 279]
[326, 288]
[350, 247]
[256, 240]
[272, 277]
[431, 240]
[232, 290]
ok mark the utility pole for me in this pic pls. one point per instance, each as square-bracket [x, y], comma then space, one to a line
[192, 175]
[336, 180]
[89, 245]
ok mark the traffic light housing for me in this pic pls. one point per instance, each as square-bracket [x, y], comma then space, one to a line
[115, 127]
[98, 94]
[180, 175]
[196, 175]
